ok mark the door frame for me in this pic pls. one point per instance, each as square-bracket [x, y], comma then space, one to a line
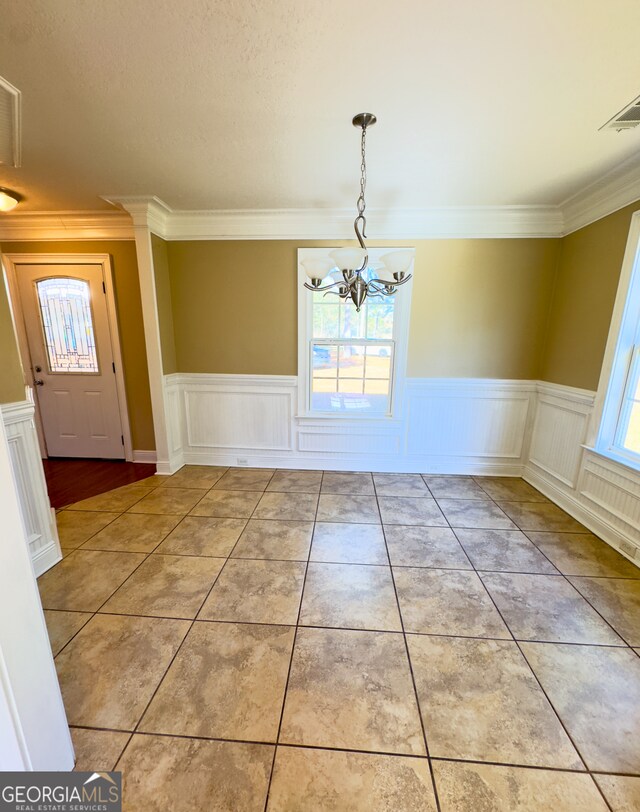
[104, 260]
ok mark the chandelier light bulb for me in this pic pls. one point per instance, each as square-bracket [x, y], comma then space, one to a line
[8, 199]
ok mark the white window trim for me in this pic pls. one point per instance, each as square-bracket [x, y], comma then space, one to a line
[603, 431]
[401, 318]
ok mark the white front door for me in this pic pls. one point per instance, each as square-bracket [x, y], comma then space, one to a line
[67, 326]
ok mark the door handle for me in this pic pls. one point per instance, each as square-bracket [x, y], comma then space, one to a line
[39, 382]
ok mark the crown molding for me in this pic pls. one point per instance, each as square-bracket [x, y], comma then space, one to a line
[331, 224]
[66, 225]
[618, 188]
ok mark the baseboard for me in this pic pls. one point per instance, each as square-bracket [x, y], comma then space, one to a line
[573, 505]
[144, 456]
[381, 464]
[44, 558]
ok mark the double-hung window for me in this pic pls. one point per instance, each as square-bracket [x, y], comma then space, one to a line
[619, 434]
[351, 364]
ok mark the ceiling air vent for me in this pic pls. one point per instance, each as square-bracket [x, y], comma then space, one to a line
[10, 149]
[626, 119]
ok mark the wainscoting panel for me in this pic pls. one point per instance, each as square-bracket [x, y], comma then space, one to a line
[602, 494]
[37, 515]
[559, 429]
[462, 418]
[449, 425]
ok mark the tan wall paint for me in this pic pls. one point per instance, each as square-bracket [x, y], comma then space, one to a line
[583, 299]
[479, 307]
[163, 298]
[12, 387]
[129, 307]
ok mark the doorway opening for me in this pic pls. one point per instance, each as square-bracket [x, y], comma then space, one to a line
[65, 315]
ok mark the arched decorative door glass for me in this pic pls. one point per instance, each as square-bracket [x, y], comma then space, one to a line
[67, 324]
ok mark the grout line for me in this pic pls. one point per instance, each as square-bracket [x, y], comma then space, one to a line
[410, 664]
[293, 647]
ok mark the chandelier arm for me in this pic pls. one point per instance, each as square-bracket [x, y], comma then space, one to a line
[324, 287]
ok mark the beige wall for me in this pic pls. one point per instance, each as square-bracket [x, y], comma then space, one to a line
[479, 307]
[11, 376]
[127, 288]
[163, 298]
[583, 299]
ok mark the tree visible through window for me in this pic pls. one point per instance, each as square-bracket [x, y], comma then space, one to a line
[352, 354]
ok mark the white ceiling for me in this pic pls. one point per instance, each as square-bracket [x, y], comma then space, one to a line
[247, 104]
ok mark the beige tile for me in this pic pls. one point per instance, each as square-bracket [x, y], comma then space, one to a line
[596, 692]
[245, 479]
[350, 484]
[340, 508]
[227, 681]
[228, 504]
[622, 791]
[503, 551]
[166, 586]
[481, 702]
[269, 538]
[454, 487]
[62, 626]
[76, 526]
[359, 782]
[400, 485]
[288, 506]
[97, 750]
[202, 535]
[253, 591]
[133, 533]
[345, 543]
[83, 581]
[111, 668]
[194, 476]
[617, 600]
[353, 690]
[412, 510]
[114, 501]
[583, 554]
[425, 547]
[163, 773]
[169, 500]
[541, 516]
[547, 607]
[479, 787]
[446, 602]
[352, 596]
[296, 481]
[475, 513]
[509, 489]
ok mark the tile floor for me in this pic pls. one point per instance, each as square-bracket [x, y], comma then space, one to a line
[237, 639]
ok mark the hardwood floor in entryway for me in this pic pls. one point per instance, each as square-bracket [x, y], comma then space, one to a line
[70, 480]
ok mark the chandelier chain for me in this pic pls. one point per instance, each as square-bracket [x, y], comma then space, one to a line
[363, 173]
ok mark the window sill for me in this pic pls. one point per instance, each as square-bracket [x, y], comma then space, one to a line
[369, 418]
[612, 456]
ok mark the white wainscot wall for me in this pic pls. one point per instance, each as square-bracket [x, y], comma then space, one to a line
[454, 425]
[37, 515]
[601, 493]
[444, 425]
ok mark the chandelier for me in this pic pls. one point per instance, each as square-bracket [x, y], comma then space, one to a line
[352, 262]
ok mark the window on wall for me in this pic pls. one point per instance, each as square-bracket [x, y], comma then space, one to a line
[351, 364]
[619, 435]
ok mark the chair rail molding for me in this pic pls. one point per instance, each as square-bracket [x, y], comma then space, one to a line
[37, 515]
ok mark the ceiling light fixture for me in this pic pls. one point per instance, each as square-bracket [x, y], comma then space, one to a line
[8, 199]
[351, 262]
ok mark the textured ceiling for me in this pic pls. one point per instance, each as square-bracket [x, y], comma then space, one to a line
[248, 103]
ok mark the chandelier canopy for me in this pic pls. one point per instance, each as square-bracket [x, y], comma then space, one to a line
[351, 262]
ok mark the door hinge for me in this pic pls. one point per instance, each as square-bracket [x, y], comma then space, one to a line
[104, 289]
[122, 438]
[114, 367]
